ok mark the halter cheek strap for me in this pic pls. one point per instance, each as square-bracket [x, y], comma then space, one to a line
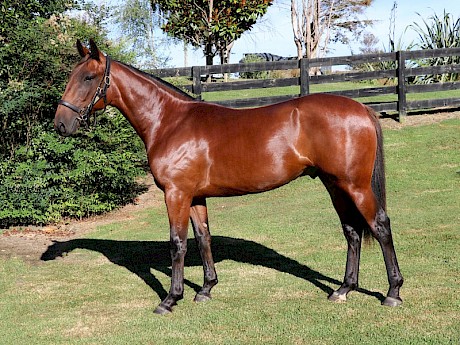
[101, 93]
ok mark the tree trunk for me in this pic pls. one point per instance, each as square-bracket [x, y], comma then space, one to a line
[209, 59]
[209, 44]
[225, 56]
[185, 54]
[296, 29]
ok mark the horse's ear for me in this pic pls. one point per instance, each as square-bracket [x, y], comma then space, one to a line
[82, 50]
[95, 54]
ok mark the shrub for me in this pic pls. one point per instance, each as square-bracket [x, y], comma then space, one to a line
[44, 178]
[58, 177]
[435, 33]
[253, 75]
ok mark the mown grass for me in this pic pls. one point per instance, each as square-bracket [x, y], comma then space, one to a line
[278, 255]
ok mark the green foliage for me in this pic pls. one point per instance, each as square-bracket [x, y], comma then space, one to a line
[438, 32]
[137, 24]
[388, 64]
[250, 58]
[20, 10]
[55, 177]
[209, 25]
[42, 177]
[435, 33]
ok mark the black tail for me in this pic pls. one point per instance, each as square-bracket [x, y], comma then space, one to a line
[378, 174]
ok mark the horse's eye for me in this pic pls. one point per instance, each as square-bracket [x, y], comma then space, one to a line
[89, 77]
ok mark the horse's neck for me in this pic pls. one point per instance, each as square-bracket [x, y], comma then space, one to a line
[144, 101]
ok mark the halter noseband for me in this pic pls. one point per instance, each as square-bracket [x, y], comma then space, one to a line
[101, 93]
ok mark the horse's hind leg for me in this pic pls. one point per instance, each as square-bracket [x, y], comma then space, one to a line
[379, 225]
[199, 216]
[352, 225]
[382, 232]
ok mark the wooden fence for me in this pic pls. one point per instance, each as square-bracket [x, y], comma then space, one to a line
[398, 66]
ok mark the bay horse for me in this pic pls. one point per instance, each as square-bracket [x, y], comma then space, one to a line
[198, 150]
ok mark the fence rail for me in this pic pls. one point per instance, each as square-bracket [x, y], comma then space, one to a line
[398, 67]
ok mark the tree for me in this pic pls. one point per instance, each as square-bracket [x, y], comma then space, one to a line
[13, 11]
[317, 22]
[138, 22]
[369, 46]
[211, 25]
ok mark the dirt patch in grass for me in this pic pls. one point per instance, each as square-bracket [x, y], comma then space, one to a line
[29, 243]
[420, 120]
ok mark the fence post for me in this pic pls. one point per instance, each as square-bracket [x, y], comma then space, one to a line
[196, 77]
[304, 65]
[402, 103]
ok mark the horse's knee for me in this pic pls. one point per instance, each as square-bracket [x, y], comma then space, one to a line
[178, 247]
[351, 234]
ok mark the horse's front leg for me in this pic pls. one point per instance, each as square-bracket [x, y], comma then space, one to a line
[178, 205]
[199, 216]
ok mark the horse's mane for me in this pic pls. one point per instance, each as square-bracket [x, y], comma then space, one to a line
[159, 80]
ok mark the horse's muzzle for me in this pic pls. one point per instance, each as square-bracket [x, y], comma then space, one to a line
[66, 130]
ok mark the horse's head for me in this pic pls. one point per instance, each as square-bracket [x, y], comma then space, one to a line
[85, 92]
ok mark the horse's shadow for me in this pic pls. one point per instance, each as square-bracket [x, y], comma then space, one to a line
[140, 257]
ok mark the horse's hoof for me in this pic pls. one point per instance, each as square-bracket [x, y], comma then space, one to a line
[201, 298]
[337, 298]
[392, 301]
[160, 310]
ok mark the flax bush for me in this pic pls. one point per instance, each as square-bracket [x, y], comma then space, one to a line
[435, 33]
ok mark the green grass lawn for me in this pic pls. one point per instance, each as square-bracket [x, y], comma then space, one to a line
[278, 255]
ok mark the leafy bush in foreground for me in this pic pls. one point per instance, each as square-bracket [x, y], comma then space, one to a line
[71, 177]
[44, 178]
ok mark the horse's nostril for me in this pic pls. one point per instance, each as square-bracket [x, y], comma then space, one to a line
[61, 128]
